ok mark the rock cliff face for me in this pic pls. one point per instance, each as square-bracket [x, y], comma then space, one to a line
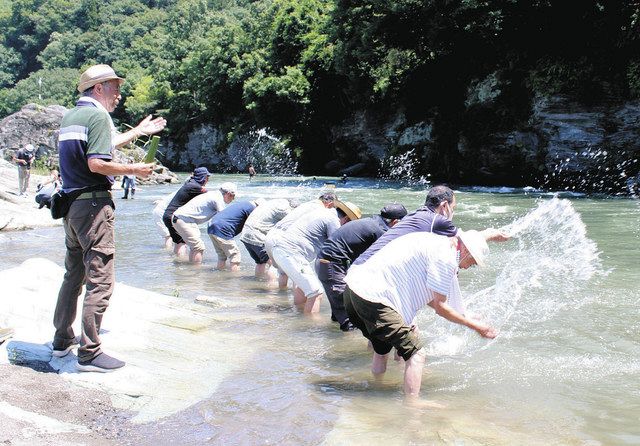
[33, 124]
[563, 145]
[40, 126]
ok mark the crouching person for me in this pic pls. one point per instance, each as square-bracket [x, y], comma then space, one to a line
[385, 294]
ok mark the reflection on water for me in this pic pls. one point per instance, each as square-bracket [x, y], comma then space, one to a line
[563, 370]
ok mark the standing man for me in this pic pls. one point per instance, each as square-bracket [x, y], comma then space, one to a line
[343, 247]
[24, 157]
[385, 293]
[86, 143]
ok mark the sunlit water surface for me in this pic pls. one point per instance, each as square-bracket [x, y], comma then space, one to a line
[565, 368]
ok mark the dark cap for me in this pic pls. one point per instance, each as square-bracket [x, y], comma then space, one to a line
[393, 211]
[200, 174]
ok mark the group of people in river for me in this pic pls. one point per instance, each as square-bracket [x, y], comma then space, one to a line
[376, 272]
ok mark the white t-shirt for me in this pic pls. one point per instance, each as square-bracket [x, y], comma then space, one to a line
[201, 208]
[404, 274]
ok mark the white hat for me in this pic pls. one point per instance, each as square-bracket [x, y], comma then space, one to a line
[229, 187]
[476, 245]
[97, 74]
[29, 148]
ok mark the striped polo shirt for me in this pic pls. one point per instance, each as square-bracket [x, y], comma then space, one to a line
[405, 273]
[85, 132]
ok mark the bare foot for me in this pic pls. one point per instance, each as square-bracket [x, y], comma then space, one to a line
[422, 404]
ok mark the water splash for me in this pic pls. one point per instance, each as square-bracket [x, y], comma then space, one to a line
[403, 168]
[606, 173]
[542, 271]
[268, 153]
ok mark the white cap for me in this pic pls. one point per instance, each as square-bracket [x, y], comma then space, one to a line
[229, 187]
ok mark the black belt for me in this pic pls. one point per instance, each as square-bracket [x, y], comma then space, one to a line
[94, 194]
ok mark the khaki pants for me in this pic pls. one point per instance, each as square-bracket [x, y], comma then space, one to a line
[23, 179]
[89, 238]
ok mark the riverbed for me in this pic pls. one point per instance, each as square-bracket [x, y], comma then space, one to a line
[563, 293]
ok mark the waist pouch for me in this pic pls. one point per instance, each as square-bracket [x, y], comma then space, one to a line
[61, 201]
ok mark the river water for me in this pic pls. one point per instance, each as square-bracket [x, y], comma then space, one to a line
[565, 368]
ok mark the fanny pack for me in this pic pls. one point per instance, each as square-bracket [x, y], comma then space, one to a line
[61, 201]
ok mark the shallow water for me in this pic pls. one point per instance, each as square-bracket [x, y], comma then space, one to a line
[563, 292]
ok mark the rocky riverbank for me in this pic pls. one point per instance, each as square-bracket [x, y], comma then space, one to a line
[166, 342]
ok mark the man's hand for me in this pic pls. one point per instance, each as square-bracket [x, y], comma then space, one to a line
[150, 126]
[495, 235]
[141, 170]
[486, 331]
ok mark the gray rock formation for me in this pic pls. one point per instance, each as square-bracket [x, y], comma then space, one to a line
[33, 124]
[40, 126]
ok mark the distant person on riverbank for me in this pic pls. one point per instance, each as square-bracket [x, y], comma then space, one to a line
[296, 249]
[24, 158]
[193, 187]
[86, 143]
[199, 210]
[129, 184]
[343, 247]
[256, 228]
[326, 200]
[47, 188]
[158, 212]
[224, 226]
[435, 216]
[252, 171]
[384, 295]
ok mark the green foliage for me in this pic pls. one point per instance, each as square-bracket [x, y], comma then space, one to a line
[633, 77]
[301, 66]
[44, 87]
[10, 63]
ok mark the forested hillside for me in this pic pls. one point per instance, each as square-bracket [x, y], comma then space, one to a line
[304, 67]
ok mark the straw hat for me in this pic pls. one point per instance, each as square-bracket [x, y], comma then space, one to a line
[95, 75]
[476, 245]
[352, 211]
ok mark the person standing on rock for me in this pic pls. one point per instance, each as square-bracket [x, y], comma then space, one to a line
[86, 143]
[24, 157]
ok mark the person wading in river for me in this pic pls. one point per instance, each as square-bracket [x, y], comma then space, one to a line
[384, 295]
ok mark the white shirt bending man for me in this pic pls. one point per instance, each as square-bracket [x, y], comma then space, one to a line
[385, 293]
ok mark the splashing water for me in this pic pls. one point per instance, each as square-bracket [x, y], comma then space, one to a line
[403, 168]
[268, 153]
[542, 271]
[606, 172]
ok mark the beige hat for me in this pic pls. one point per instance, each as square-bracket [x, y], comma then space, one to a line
[95, 75]
[476, 245]
[352, 211]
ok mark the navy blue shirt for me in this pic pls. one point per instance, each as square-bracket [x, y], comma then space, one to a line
[422, 220]
[188, 190]
[229, 222]
[352, 239]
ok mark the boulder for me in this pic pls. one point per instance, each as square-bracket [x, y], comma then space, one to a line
[33, 124]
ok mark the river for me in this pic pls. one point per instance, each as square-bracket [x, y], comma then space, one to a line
[564, 369]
